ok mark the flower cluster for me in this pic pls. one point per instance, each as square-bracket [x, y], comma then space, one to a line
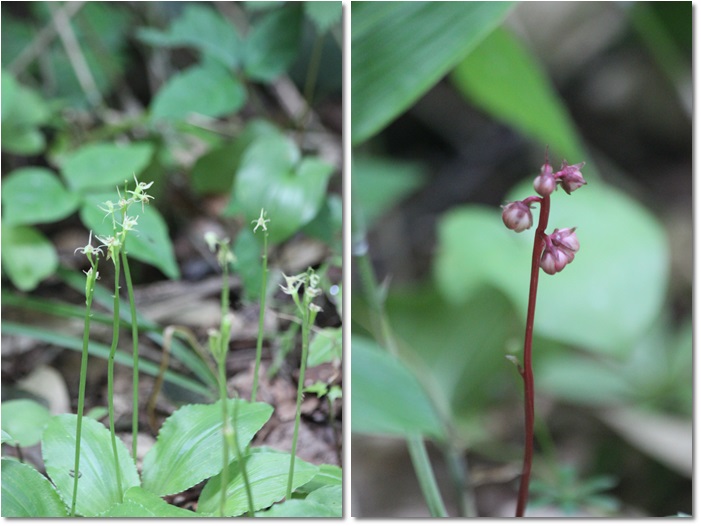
[559, 247]
[311, 281]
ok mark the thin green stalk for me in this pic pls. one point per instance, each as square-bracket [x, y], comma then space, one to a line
[135, 344]
[261, 317]
[110, 375]
[81, 390]
[424, 472]
[312, 76]
[226, 429]
[242, 462]
[306, 326]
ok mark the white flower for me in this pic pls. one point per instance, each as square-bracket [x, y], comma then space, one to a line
[260, 222]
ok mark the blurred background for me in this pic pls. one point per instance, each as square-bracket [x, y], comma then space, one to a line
[453, 105]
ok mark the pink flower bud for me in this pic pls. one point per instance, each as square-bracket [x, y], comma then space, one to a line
[553, 260]
[566, 239]
[517, 216]
[545, 184]
[570, 177]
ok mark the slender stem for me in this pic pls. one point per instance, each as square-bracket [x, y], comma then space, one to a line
[300, 387]
[242, 461]
[81, 391]
[312, 75]
[226, 429]
[135, 344]
[110, 375]
[527, 370]
[424, 473]
[261, 317]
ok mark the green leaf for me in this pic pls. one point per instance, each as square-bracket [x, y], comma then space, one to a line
[189, 444]
[7, 438]
[140, 503]
[24, 420]
[379, 184]
[97, 486]
[604, 300]
[27, 256]
[273, 43]
[214, 171]
[291, 190]
[267, 477]
[387, 398]
[249, 265]
[208, 90]
[502, 77]
[328, 475]
[402, 49]
[323, 14]
[23, 110]
[104, 165]
[299, 508]
[149, 242]
[326, 346]
[35, 195]
[26, 493]
[327, 226]
[203, 28]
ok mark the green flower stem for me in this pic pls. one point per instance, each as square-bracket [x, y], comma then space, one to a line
[424, 472]
[307, 321]
[226, 430]
[242, 461]
[261, 317]
[90, 289]
[110, 374]
[135, 344]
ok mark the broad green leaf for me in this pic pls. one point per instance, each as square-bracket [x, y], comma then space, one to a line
[457, 349]
[324, 14]
[149, 242]
[27, 256]
[23, 110]
[402, 49]
[379, 184]
[273, 43]
[26, 493]
[328, 475]
[140, 503]
[24, 420]
[97, 486]
[102, 166]
[35, 195]
[331, 496]
[214, 171]
[203, 28]
[324, 502]
[7, 438]
[189, 444]
[327, 226]
[208, 90]
[502, 77]
[267, 473]
[326, 346]
[386, 397]
[604, 300]
[291, 190]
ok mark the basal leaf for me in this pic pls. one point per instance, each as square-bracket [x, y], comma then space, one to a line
[402, 49]
[102, 166]
[24, 420]
[324, 14]
[26, 493]
[140, 503]
[97, 485]
[27, 256]
[502, 77]
[189, 445]
[35, 195]
[326, 346]
[267, 473]
[208, 90]
[386, 397]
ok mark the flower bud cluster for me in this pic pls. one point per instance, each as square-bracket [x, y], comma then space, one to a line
[560, 246]
[569, 177]
[311, 282]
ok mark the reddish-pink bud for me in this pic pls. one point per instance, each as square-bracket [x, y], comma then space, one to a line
[570, 177]
[517, 216]
[553, 260]
[566, 239]
[545, 184]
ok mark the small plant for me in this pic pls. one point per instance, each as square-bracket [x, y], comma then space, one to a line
[551, 253]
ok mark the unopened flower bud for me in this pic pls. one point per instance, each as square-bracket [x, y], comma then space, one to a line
[570, 177]
[545, 183]
[566, 239]
[517, 216]
[553, 260]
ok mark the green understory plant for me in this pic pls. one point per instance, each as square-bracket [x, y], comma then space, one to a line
[260, 223]
[551, 252]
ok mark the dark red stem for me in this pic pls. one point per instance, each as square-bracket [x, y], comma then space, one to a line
[527, 370]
